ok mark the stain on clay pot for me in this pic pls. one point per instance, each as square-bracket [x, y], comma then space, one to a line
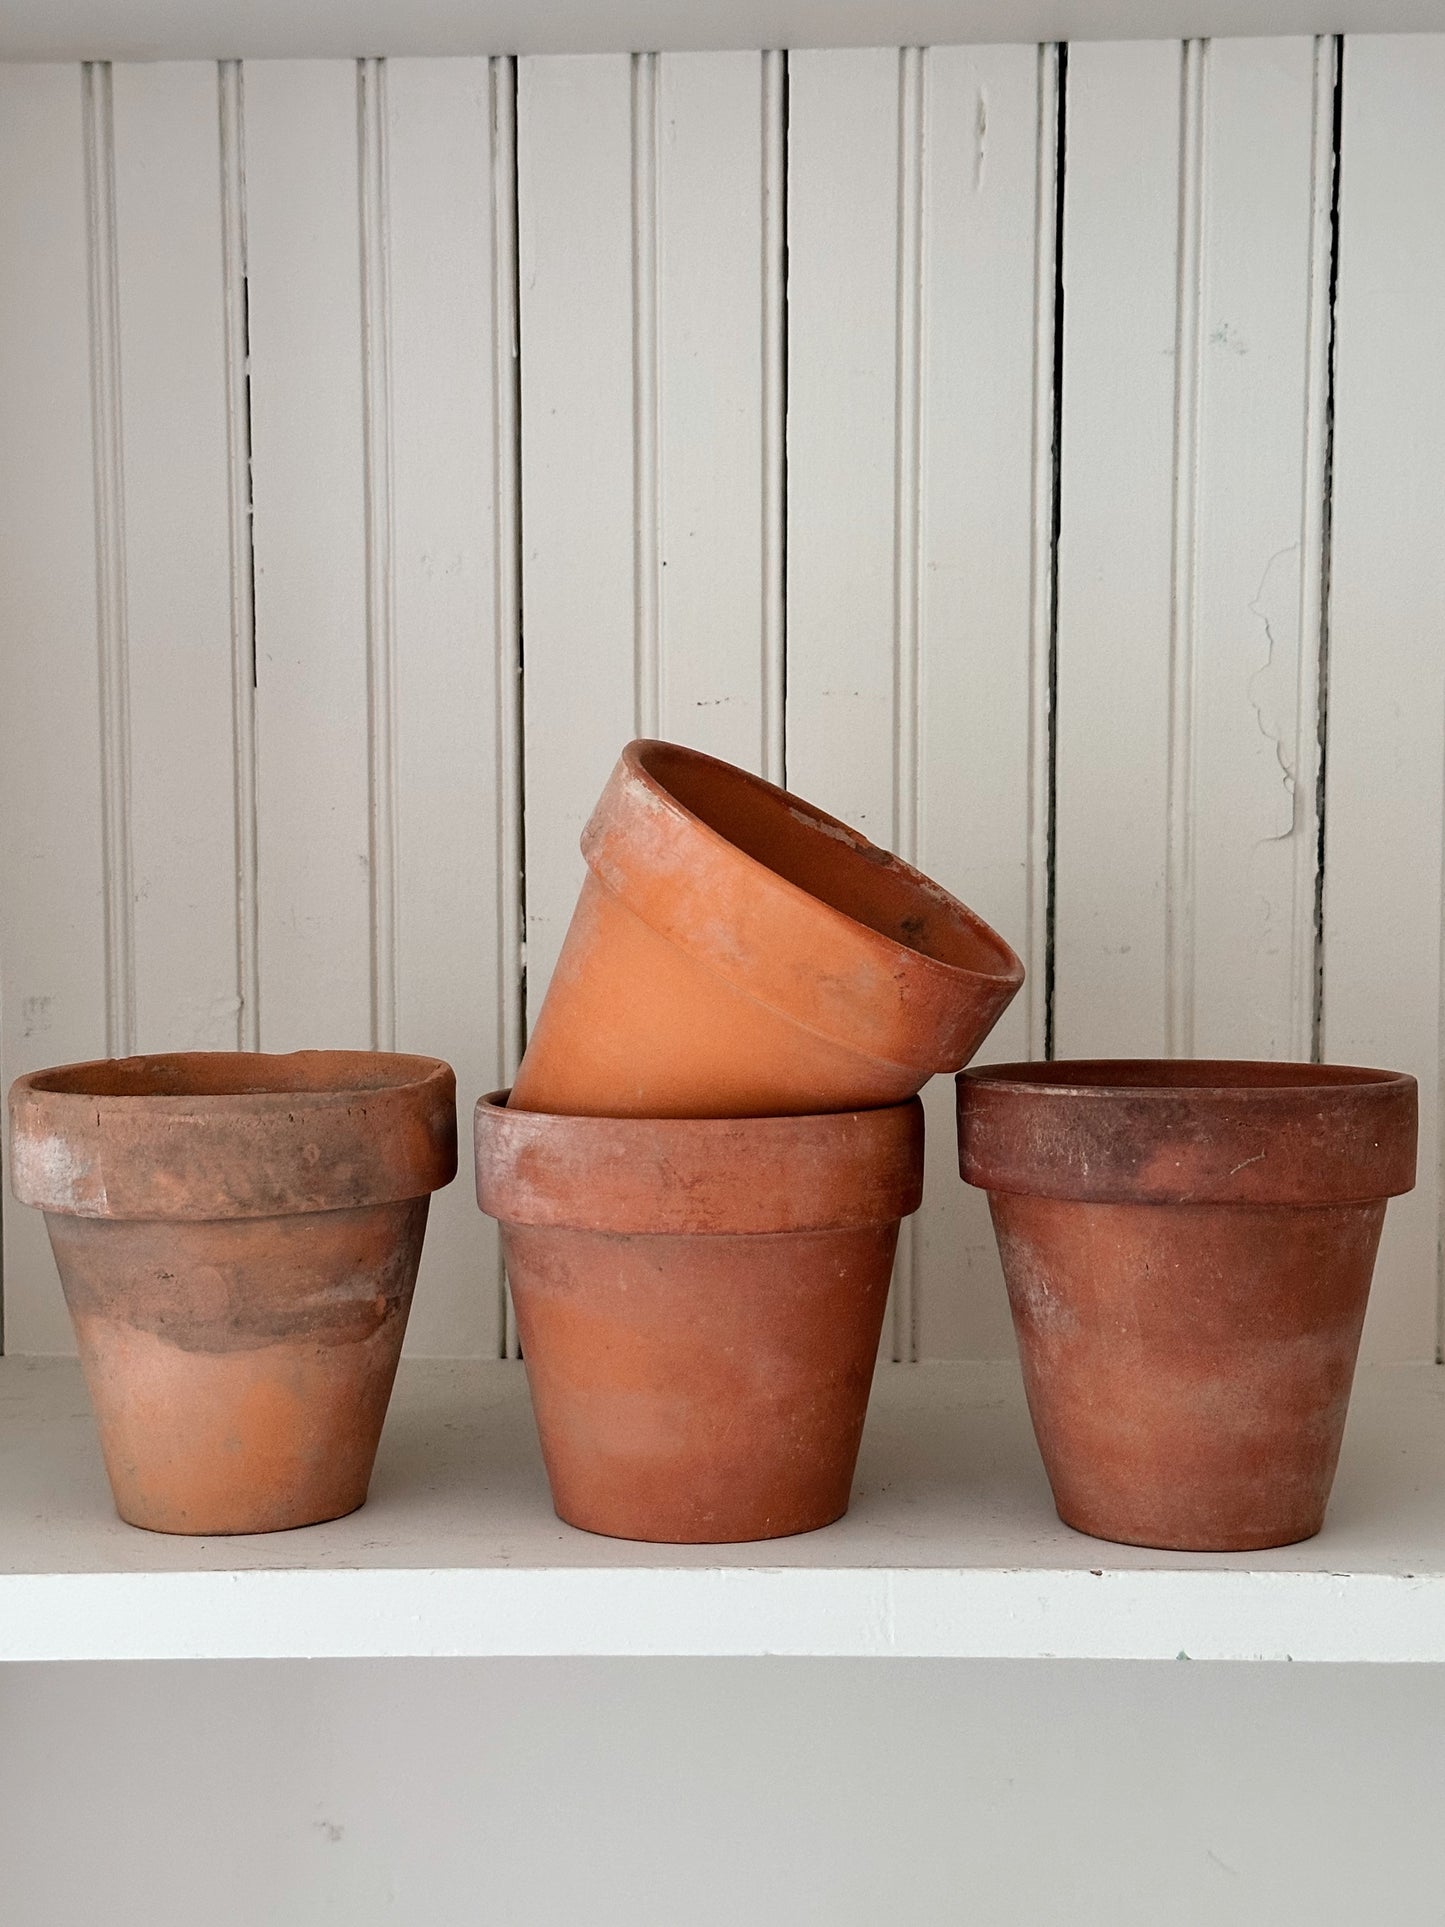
[699, 1303]
[737, 953]
[1188, 1249]
[238, 1237]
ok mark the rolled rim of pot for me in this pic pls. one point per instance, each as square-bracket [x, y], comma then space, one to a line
[689, 1176]
[1188, 1131]
[797, 909]
[232, 1134]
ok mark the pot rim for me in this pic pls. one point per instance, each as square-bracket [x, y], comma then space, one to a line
[382, 1129]
[923, 1001]
[79, 1081]
[698, 1176]
[1188, 1131]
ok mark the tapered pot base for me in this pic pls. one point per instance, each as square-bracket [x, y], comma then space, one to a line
[699, 1390]
[240, 1371]
[1188, 1367]
[1107, 1530]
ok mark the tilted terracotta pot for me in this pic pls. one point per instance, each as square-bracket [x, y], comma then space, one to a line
[238, 1237]
[699, 1303]
[1188, 1249]
[737, 953]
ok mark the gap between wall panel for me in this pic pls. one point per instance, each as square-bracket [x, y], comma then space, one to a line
[510, 642]
[775, 416]
[1050, 952]
[908, 566]
[109, 485]
[242, 557]
[375, 215]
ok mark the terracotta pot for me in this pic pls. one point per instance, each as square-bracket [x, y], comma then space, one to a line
[1188, 1250]
[737, 953]
[238, 1238]
[699, 1303]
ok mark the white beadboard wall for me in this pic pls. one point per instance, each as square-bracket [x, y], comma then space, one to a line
[1028, 453]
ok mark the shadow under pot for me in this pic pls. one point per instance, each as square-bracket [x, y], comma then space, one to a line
[1188, 1248]
[238, 1237]
[699, 1303]
[736, 952]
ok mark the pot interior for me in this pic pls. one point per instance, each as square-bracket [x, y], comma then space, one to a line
[828, 860]
[1179, 1074]
[234, 1074]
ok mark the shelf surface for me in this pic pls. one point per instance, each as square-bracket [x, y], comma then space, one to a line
[291, 29]
[951, 1549]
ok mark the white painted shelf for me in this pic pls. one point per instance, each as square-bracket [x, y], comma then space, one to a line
[218, 29]
[951, 1549]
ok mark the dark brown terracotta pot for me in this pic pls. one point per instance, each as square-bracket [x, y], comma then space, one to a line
[699, 1303]
[238, 1237]
[1188, 1248]
[737, 953]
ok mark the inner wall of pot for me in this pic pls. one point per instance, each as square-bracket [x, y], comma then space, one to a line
[234, 1074]
[829, 862]
[1181, 1074]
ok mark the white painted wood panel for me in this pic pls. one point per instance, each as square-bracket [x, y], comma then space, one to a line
[314, 792]
[445, 211]
[843, 240]
[651, 512]
[1120, 274]
[980, 582]
[1248, 615]
[712, 270]
[53, 949]
[574, 215]
[1386, 675]
[175, 470]
[1195, 322]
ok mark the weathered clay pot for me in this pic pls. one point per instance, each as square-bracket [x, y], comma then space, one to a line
[238, 1237]
[737, 953]
[1188, 1249]
[699, 1303]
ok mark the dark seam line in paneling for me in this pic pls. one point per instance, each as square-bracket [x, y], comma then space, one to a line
[236, 295]
[511, 742]
[1326, 555]
[1051, 885]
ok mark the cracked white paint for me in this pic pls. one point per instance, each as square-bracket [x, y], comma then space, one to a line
[1272, 691]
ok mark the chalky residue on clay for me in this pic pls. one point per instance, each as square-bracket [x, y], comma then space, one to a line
[238, 1237]
[1188, 1250]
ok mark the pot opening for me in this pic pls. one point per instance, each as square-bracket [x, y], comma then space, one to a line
[829, 861]
[234, 1074]
[1179, 1074]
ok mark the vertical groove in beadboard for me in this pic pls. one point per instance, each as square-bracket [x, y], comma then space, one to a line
[1306, 924]
[380, 579]
[242, 558]
[507, 500]
[1042, 571]
[1049, 782]
[646, 500]
[775, 414]
[110, 561]
[907, 563]
[1179, 892]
